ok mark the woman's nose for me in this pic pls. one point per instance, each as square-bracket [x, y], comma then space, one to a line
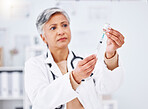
[60, 31]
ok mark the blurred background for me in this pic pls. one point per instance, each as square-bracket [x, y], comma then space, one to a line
[19, 40]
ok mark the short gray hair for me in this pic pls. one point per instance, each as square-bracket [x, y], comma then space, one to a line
[46, 15]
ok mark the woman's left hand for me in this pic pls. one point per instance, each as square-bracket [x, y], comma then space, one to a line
[115, 40]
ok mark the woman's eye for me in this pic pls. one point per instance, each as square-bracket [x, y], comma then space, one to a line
[52, 28]
[65, 25]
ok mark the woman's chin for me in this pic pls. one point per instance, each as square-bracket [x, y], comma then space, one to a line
[63, 45]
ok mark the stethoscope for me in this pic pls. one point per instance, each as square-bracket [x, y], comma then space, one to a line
[78, 58]
[74, 59]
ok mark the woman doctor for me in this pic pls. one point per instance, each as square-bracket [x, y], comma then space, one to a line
[53, 82]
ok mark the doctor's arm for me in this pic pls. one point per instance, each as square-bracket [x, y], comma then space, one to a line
[110, 75]
[42, 94]
[115, 40]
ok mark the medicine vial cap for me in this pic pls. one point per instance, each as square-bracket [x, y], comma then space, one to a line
[106, 26]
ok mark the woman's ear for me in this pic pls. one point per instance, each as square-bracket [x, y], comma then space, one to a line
[43, 38]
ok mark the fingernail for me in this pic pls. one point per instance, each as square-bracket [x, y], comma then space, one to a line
[95, 55]
[109, 28]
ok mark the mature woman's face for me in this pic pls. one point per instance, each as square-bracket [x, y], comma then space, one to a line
[57, 31]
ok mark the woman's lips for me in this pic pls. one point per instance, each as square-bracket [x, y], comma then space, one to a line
[62, 39]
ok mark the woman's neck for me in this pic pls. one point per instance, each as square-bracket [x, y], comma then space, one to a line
[59, 54]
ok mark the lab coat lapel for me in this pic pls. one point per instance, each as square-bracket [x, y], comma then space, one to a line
[52, 65]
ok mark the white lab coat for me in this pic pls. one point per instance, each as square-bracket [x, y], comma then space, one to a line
[46, 93]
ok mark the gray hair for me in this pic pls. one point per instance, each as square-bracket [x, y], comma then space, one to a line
[46, 15]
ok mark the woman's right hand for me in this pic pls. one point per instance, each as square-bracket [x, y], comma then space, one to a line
[84, 68]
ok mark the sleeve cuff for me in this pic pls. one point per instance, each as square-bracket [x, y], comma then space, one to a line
[112, 62]
[73, 82]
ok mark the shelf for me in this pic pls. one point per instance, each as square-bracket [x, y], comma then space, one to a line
[11, 68]
[11, 98]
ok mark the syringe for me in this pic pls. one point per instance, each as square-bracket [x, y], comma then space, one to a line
[106, 26]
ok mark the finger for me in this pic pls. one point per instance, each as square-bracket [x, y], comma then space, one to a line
[90, 68]
[87, 59]
[116, 33]
[89, 64]
[113, 42]
[90, 72]
[115, 39]
[119, 34]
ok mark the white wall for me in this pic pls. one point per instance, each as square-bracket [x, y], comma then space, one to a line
[130, 18]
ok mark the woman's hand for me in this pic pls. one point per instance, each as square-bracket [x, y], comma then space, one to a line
[114, 41]
[84, 68]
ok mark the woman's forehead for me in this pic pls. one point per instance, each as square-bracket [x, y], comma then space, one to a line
[57, 18]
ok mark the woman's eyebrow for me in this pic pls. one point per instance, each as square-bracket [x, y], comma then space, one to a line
[64, 22]
[52, 25]
[56, 24]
